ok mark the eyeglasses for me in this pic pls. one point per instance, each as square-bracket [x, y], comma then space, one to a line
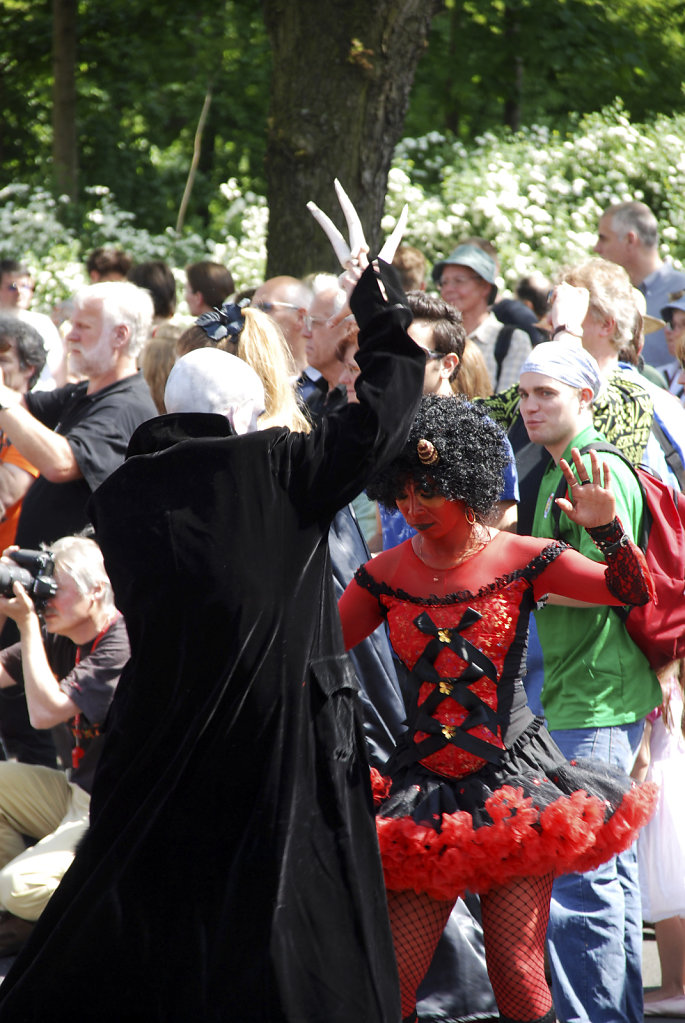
[268, 307]
[433, 355]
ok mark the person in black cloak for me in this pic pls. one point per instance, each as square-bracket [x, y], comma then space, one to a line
[231, 870]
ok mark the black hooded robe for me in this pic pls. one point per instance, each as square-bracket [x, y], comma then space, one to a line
[231, 871]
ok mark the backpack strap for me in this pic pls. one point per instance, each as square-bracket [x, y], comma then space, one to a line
[501, 348]
[671, 453]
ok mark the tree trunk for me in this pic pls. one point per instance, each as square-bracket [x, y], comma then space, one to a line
[342, 72]
[64, 141]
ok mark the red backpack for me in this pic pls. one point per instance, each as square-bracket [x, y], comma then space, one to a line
[658, 628]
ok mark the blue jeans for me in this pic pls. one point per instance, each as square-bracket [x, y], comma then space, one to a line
[594, 936]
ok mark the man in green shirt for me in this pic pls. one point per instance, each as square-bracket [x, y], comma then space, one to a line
[597, 689]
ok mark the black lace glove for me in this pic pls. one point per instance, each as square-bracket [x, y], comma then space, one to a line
[627, 576]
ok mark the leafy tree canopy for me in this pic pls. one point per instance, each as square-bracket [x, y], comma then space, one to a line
[521, 62]
[144, 68]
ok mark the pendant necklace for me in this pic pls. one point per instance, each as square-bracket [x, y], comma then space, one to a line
[472, 548]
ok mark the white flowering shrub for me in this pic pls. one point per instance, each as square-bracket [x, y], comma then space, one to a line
[35, 229]
[242, 229]
[536, 194]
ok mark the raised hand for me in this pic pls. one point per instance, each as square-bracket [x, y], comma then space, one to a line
[569, 308]
[592, 501]
[19, 607]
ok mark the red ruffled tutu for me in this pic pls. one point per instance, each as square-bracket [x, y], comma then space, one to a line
[448, 836]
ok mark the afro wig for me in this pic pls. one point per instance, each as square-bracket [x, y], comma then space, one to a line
[472, 456]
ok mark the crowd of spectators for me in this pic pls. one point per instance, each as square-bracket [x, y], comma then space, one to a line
[71, 400]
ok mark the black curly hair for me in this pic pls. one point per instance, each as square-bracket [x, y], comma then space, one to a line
[472, 453]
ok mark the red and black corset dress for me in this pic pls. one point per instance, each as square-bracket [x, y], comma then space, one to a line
[476, 792]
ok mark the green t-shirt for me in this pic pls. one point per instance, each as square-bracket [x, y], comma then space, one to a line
[595, 675]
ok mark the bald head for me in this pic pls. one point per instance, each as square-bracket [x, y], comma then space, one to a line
[210, 380]
[287, 301]
[283, 289]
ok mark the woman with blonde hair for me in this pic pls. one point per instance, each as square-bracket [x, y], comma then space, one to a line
[256, 339]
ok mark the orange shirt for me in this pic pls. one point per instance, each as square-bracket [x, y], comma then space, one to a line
[8, 523]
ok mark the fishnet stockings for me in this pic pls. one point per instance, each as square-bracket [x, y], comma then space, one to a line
[514, 926]
[416, 921]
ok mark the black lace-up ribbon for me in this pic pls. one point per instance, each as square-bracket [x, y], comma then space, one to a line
[457, 689]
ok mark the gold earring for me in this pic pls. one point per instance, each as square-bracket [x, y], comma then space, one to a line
[471, 521]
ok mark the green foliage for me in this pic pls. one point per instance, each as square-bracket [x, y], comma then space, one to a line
[139, 116]
[25, 74]
[491, 62]
[144, 69]
[537, 194]
[40, 230]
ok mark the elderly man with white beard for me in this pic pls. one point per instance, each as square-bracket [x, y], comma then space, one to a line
[78, 434]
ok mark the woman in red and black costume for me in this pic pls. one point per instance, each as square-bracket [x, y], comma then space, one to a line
[478, 797]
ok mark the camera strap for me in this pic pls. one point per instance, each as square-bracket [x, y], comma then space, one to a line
[78, 752]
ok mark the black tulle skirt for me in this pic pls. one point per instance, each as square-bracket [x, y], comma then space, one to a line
[534, 813]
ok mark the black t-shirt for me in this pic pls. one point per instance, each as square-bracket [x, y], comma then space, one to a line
[98, 427]
[88, 675]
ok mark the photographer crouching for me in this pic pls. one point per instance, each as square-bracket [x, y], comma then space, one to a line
[65, 669]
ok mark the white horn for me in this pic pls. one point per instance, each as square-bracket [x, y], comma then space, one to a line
[339, 244]
[391, 244]
[354, 224]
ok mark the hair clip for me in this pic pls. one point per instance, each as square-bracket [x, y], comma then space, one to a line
[220, 323]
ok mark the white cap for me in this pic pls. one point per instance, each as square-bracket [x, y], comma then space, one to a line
[211, 380]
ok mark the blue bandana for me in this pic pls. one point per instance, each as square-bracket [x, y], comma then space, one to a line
[567, 362]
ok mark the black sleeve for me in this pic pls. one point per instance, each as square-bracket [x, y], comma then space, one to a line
[100, 440]
[48, 406]
[10, 658]
[330, 466]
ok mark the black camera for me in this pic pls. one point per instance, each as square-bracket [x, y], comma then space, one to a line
[34, 570]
